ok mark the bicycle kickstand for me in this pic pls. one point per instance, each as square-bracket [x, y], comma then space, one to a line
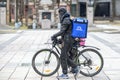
[41, 78]
[75, 76]
[58, 75]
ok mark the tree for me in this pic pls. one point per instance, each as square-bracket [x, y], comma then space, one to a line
[16, 10]
[26, 12]
[8, 11]
[21, 10]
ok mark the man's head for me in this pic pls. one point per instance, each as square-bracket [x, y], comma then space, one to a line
[62, 11]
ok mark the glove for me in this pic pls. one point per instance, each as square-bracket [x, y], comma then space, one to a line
[77, 39]
[53, 38]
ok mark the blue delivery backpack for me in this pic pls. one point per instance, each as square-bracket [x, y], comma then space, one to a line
[79, 28]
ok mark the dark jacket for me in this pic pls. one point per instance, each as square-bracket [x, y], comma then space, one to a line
[66, 26]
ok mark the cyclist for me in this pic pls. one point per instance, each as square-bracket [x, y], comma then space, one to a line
[65, 33]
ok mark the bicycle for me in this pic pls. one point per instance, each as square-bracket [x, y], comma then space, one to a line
[46, 62]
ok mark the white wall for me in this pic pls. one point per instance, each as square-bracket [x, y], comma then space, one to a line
[117, 7]
[2, 15]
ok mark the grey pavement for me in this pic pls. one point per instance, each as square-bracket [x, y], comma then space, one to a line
[18, 48]
[4, 26]
[6, 29]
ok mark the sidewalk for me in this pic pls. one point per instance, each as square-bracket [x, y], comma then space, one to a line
[17, 50]
[110, 49]
[6, 29]
[108, 28]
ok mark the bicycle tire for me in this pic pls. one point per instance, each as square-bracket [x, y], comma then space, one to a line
[42, 57]
[97, 69]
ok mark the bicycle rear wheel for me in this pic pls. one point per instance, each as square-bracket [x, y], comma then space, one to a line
[45, 62]
[91, 62]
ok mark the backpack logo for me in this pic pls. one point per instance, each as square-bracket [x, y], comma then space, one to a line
[79, 28]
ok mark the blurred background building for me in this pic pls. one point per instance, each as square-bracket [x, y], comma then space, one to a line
[26, 10]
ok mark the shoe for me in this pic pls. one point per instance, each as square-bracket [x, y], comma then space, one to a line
[76, 70]
[63, 76]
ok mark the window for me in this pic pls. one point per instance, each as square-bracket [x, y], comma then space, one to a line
[47, 14]
[3, 3]
[102, 9]
[83, 9]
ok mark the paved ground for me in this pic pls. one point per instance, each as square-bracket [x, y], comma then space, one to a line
[17, 49]
[6, 29]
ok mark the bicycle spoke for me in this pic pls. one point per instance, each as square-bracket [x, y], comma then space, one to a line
[91, 62]
[43, 62]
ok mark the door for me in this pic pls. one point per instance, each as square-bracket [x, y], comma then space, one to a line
[82, 9]
[102, 9]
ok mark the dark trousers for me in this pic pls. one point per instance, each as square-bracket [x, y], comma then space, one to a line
[65, 60]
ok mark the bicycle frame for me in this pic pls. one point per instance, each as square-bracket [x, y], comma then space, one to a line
[78, 56]
[57, 47]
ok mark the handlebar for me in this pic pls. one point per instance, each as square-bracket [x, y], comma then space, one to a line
[57, 41]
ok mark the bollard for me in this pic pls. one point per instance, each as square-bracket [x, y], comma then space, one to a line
[58, 25]
[16, 25]
[34, 25]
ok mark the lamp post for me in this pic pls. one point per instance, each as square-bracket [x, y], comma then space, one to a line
[90, 12]
[90, 3]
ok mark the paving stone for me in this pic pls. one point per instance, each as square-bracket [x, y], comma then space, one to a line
[19, 48]
[113, 74]
[19, 73]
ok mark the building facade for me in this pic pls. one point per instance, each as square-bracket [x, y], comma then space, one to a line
[22, 9]
[103, 9]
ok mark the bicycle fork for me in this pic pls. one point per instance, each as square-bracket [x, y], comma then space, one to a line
[48, 59]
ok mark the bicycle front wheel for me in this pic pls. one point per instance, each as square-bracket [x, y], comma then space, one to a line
[45, 62]
[91, 62]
